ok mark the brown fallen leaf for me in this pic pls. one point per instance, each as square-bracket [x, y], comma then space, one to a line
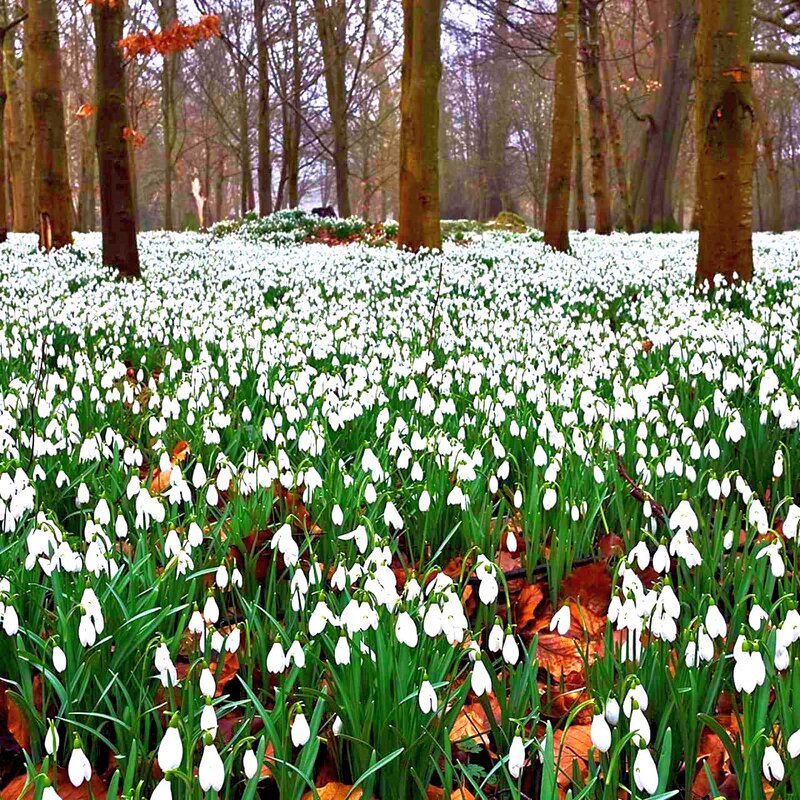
[335, 791]
[92, 790]
[459, 793]
[591, 586]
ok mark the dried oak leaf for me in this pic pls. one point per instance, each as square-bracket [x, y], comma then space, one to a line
[459, 793]
[570, 748]
[527, 607]
[591, 585]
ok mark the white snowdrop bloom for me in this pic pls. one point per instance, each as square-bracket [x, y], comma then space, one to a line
[406, 630]
[249, 763]
[296, 655]
[207, 683]
[757, 617]
[683, 518]
[793, 745]
[561, 620]
[391, 517]
[82, 496]
[495, 641]
[79, 769]
[163, 790]
[51, 739]
[337, 517]
[600, 733]
[772, 765]
[211, 772]
[360, 536]
[208, 719]
[300, 731]
[424, 501]
[170, 750]
[516, 757]
[481, 681]
[749, 671]
[645, 772]
[341, 653]
[549, 498]
[276, 658]
[233, 640]
[221, 576]
[612, 711]
[510, 650]
[635, 697]
[59, 659]
[790, 522]
[428, 702]
[211, 610]
[661, 561]
[639, 727]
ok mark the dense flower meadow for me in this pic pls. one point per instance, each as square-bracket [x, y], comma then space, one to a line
[303, 521]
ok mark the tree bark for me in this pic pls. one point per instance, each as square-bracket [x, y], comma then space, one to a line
[19, 128]
[87, 215]
[117, 210]
[332, 28]
[53, 205]
[774, 210]
[4, 31]
[598, 139]
[580, 192]
[295, 117]
[653, 185]
[725, 133]
[616, 148]
[419, 222]
[264, 118]
[565, 97]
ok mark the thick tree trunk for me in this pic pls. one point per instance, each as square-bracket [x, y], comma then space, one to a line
[419, 219]
[332, 28]
[725, 132]
[4, 31]
[774, 210]
[580, 191]
[565, 98]
[19, 128]
[653, 184]
[598, 138]
[293, 155]
[264, 119]
[117, 209]
[616, 148]
[53, 205]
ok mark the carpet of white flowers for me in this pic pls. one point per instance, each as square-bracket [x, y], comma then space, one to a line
[307, 521]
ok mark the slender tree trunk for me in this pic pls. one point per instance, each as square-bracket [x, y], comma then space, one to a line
[598, 138]
[419, 223]
[725, 132]
[117, 209]
[53, 206]
[332, 28]
[580, 192]
[653, 184]
[774, 210]
[616, 148]
[264, 119]
[19, 127]
[565, 98]
[293, 165]
[170, 80]
[4, 31]
[219, 187]
[87, 216]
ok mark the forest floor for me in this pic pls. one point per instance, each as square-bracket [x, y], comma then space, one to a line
[291, 520]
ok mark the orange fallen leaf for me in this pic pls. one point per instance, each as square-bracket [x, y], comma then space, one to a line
[335, 791]
[85, 110]
[16, 790]
[459, 793]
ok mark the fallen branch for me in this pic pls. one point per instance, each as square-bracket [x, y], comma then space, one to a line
[639, 494]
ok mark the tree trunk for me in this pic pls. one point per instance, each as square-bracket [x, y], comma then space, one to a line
[87, 216]
[565, 98]
[4, 31]
[653, 184]
[616, 148]
[53, 206]
[19, 127]
[117, 210]
[264, 120]
[598, 139]
[170, 88]
[580, 192]
[725, 132]
[293, 162]
[419, 222]
[332, 28]
[774, 210]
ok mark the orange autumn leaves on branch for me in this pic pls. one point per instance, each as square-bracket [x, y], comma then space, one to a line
[174, 38]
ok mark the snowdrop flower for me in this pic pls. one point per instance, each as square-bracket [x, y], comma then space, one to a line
[683, 518]
[428, 702]
[600, 733]
[661, 562]
[211, 773]
[549, 498]
[481, 681]
[170, 750]
[337, 517]
[757, 617]
[211, 610]
[639, 727]
[207, 683]
[612, 711]
[300, 732]
[405, 630]
[51, 739]
[749, 670]
[276, 658]
[772, 765]
[715, 624]
[424, 501]
[163, 790]
[59, 659]
[249, 763]
[793, 745]
[208, 719]
[645, 772]
[561, 620]
[78, 769]
[510, 649]
[516, 757]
